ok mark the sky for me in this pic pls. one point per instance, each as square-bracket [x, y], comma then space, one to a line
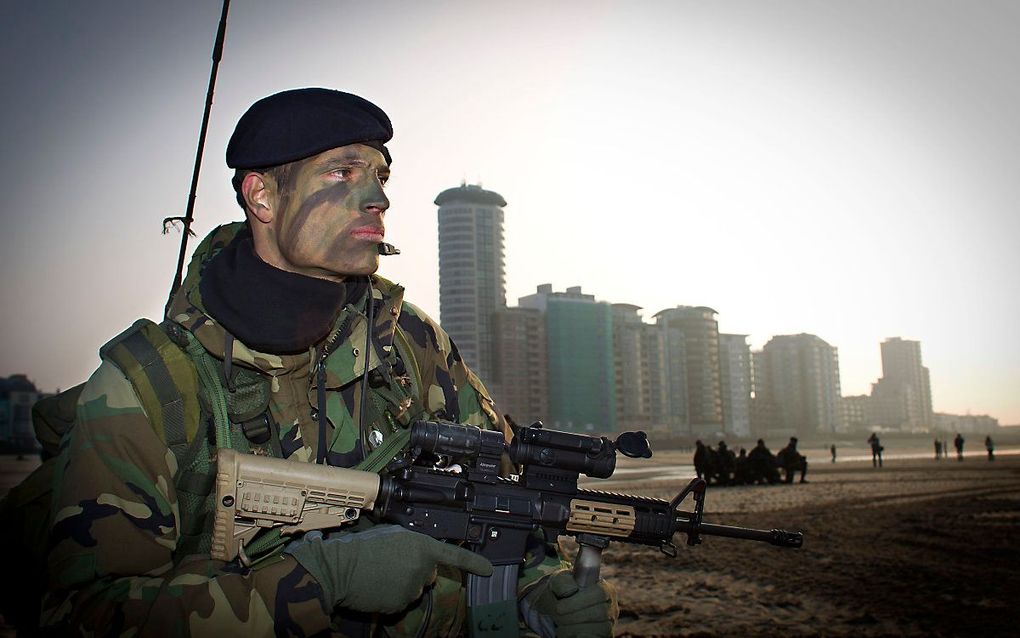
[845, 169]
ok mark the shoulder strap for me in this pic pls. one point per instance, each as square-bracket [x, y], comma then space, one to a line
[406, 353]
[164, 378]
[378, 458]
[205, 367]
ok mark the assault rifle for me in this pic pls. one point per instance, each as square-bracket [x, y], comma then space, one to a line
[447, 485]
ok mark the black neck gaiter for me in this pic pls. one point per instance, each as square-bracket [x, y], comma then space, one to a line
[268, 309]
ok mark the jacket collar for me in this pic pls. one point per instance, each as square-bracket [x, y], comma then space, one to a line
[344, 346]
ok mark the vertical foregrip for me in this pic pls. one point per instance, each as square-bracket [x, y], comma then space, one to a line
[587, 565]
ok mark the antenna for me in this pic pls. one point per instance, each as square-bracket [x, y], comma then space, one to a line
[189, 215]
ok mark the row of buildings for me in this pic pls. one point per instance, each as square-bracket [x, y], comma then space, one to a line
[577, 363]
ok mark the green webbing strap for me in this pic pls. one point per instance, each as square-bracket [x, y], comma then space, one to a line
[383, 454]
[406, 354]
[161, 376]
[170, 400]
[209, 378]
[265, 545]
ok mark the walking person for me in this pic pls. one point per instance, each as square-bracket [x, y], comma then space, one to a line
[876, 450]
[938, 449]
[832, 448]
[958, 444]
[990, 446]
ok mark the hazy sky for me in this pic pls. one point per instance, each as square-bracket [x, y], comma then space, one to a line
[848, 169]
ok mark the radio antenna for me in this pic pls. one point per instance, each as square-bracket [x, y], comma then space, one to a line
[189, 215]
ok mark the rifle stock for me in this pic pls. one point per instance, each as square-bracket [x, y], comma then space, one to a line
[257, 492]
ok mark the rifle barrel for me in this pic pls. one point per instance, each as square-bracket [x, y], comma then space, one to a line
[777, 537]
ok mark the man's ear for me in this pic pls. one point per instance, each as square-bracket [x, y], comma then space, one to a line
[257, 190]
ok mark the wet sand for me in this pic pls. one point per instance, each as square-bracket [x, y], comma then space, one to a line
[917, 548]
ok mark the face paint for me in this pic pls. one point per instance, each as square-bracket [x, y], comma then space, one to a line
[329, 212]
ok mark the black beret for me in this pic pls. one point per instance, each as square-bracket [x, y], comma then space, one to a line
[299, 123]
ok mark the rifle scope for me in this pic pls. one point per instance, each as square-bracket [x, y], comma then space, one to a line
[455, 440]
[593, 456]
[532, 446]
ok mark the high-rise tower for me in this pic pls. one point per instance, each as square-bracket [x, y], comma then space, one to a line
[579, 336]
[471, 270]
[902, 397]
[635, 357]
[800, 375]
[698, 330]
[735, 380]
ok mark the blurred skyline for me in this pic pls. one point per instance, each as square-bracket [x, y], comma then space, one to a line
[846, 169]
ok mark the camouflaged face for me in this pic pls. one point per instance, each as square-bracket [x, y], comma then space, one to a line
[117, 563]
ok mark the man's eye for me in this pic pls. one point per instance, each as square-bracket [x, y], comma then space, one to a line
[383, 178]
[344, 173]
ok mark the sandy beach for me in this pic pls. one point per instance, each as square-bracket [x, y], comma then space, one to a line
[917, 548]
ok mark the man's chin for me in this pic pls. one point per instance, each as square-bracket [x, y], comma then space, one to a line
[360, 270]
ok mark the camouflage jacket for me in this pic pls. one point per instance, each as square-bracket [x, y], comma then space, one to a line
[121, 560]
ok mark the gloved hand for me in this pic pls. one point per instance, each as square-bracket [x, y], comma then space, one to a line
[379, 570]
[556, 607]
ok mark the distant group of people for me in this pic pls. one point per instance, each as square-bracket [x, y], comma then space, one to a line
[720, 466]
[942, 447]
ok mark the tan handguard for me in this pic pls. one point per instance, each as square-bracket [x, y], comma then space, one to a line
[257, 492]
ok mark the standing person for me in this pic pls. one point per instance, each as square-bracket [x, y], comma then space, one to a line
[958, 444]
[990, 446]
[317, 360]
[938, 449]
[832, 448]
[876, 450]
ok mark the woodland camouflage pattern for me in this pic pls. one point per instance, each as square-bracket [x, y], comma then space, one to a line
[121, 560]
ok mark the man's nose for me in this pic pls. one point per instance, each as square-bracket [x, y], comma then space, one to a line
[375, 201]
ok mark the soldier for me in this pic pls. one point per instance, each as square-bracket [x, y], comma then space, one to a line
[990, 446]
[958, 444]
[742, 473]
[876, 450]
[792, 461]
[726, 463]
[301, 352]
[763, 463]
[704, 461]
